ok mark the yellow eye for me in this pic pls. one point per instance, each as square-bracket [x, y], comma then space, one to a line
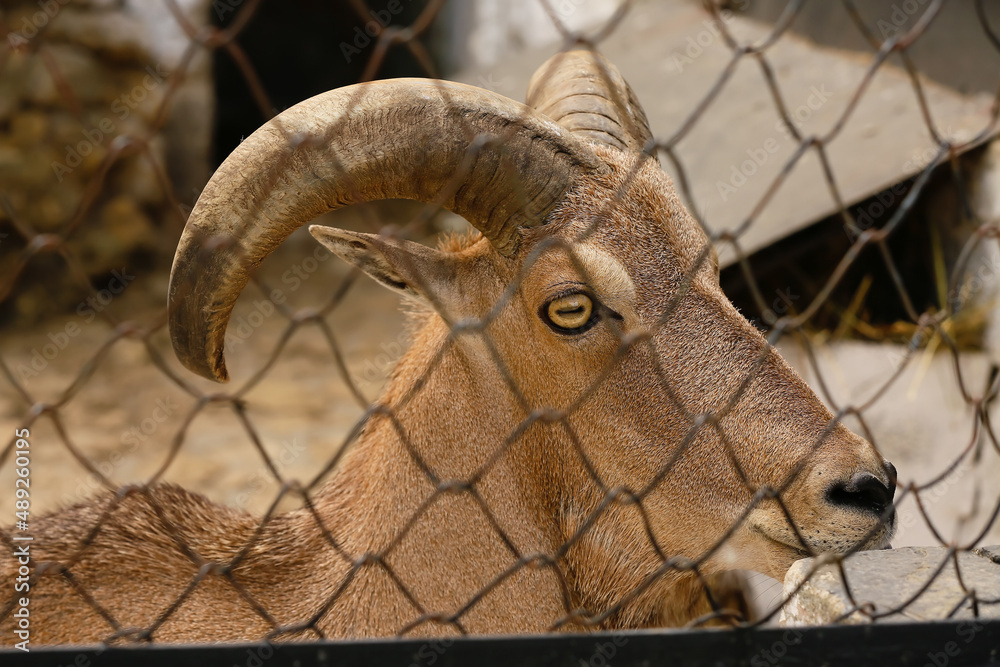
[573, 311]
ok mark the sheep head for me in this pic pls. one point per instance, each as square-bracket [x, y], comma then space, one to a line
[648, 419]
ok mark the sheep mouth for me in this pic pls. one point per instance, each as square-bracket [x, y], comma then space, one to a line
[797, 549]
[882, 542]
[878, 541]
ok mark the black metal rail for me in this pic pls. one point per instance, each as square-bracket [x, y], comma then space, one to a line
[938, 644]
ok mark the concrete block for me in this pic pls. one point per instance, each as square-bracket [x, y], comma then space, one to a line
[882, 581]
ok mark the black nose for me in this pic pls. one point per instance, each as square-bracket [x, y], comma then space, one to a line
[864, 492]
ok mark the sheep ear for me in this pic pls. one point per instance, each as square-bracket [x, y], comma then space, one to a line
[403, 266]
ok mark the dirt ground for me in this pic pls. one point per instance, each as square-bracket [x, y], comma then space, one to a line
[125, 416]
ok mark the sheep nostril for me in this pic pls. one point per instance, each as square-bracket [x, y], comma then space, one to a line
[891, 470]
[863, 492]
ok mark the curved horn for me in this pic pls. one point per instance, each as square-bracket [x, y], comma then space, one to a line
[587, 95]
[403, 138]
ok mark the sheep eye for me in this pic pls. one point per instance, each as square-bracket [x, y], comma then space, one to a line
[571, 313]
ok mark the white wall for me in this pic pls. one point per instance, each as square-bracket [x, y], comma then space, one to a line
[481, 32]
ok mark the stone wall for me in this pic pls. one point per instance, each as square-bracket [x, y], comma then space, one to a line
[83, 85]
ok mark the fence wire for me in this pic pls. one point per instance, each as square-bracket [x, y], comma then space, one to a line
[195, 571]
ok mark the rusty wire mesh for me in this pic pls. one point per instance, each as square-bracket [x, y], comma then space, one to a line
[149, 334]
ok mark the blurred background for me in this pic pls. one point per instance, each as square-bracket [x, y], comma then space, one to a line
[114, 113]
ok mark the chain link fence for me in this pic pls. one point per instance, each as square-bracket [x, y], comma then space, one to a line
[285, 560]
